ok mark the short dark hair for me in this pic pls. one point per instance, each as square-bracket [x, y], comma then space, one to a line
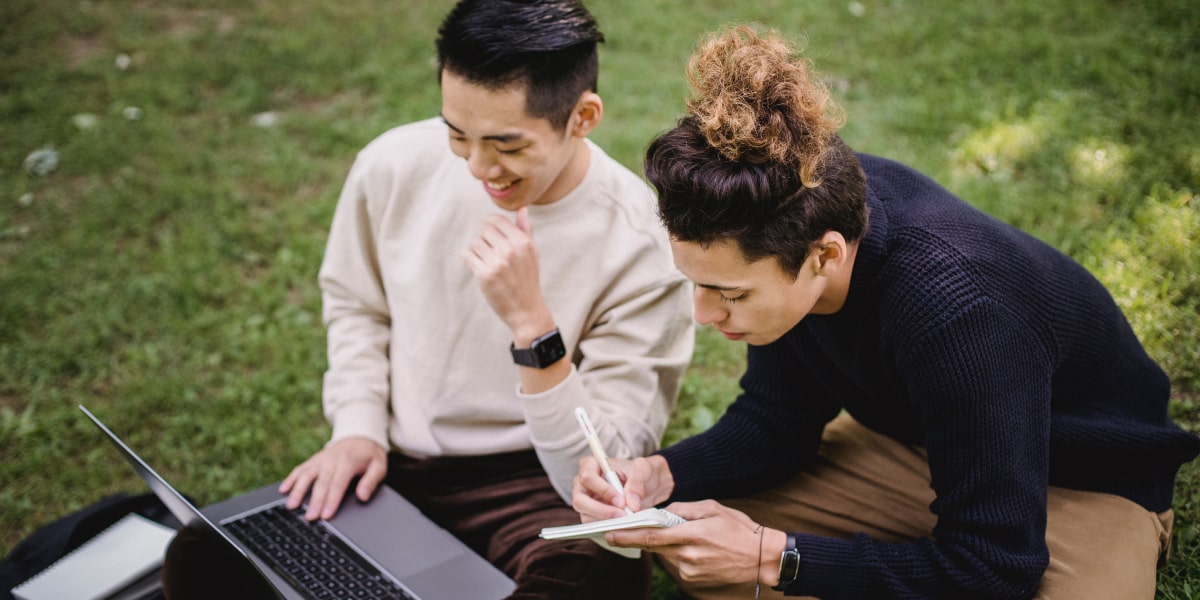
[547, 45]
[704, 197]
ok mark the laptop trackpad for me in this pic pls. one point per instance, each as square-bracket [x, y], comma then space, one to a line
[407, 543]
[448, 581]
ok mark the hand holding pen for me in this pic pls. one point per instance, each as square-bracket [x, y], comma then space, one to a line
[593, 440]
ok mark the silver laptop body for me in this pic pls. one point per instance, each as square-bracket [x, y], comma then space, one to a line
[388, 532]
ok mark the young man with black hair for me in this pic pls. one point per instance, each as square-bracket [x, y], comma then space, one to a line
[487, 272]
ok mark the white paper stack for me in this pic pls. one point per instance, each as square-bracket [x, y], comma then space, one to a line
[650, 517]
[117, 557]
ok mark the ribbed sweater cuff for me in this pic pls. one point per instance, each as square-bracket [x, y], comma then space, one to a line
[365, 420]
[829, 568]
[687, 467]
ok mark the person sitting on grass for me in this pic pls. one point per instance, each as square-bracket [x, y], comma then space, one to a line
[487, 272]
[935, 404]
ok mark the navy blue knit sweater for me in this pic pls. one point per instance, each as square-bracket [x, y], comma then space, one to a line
[1004, 358]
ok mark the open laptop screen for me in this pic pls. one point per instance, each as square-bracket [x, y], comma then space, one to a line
[201, 561]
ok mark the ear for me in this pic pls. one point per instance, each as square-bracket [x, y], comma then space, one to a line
[833, 253]
[587, 114]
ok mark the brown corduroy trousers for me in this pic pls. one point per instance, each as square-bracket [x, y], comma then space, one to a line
[498, 505]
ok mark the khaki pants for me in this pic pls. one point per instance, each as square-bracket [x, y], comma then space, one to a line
[1101, 546]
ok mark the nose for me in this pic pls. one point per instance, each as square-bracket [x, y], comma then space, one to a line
[708, 310]
[482, 165]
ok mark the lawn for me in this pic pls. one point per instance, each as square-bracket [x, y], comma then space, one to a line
[168, 172]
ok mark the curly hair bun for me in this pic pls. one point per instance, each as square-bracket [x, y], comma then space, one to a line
[757, 101]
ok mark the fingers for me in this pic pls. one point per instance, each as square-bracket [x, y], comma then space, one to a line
[701, 517]
[647, 481]
[654, 539]
[522, 220]
[499, 247]
[591, 495]
[498, 230]
[325, 477]
[716, 544]
[635, 485]
[504, 261]
[694, 511]
[328, 492]
[505, 238]
[285, 486]
[370, 480]
[490, 247]
[296, 484]
[599, 499]
[588, 492]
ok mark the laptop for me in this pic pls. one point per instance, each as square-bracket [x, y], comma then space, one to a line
[404, 554]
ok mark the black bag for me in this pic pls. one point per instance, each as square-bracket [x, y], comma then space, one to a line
[54, 540]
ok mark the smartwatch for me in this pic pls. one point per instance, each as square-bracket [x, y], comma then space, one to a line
[789, 564]
[543, 352]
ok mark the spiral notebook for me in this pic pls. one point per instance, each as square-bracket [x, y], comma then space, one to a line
[594, 530]
[115, 558]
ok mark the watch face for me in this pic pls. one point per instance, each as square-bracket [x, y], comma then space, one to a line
[549, 350]
[544, 351]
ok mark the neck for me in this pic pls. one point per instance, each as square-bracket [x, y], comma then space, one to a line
[572, 174]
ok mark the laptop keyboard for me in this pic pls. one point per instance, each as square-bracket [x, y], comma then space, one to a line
[311, 558]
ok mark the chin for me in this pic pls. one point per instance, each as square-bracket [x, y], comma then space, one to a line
[509, 204]
[761, 339]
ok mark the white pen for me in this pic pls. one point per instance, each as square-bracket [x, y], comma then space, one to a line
[593, 440]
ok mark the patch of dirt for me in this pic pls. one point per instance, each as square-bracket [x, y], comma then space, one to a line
[81, 50]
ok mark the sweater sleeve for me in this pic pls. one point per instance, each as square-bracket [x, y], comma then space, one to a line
[625, 313]
[628, 377]
[982, 382]
[769, 433]
[357, 320]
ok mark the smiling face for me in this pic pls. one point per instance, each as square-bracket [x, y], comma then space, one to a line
[758, 302]
[520, 160]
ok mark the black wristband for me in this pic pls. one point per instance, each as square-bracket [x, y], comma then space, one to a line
[543, 352]
[789, 564]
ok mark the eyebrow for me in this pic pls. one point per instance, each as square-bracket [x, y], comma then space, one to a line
[719, 288]
[499, 137]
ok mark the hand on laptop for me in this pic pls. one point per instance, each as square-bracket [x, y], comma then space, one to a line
[329, 472]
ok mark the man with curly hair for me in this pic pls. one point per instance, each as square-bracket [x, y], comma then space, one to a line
[936, 405]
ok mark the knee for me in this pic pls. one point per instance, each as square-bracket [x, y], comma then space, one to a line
[578, 568]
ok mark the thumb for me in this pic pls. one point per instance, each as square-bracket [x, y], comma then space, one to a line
[694, 511]
[523, 220]
[633, 500]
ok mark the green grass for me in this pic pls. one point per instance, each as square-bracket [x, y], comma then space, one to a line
[164, 273]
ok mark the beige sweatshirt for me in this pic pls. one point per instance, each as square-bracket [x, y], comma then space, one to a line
[419, 362]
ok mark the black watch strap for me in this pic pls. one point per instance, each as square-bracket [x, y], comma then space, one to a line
[543, 352]
[789, 564]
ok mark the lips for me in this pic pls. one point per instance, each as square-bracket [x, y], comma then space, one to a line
[732, 336]
[498, 189]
